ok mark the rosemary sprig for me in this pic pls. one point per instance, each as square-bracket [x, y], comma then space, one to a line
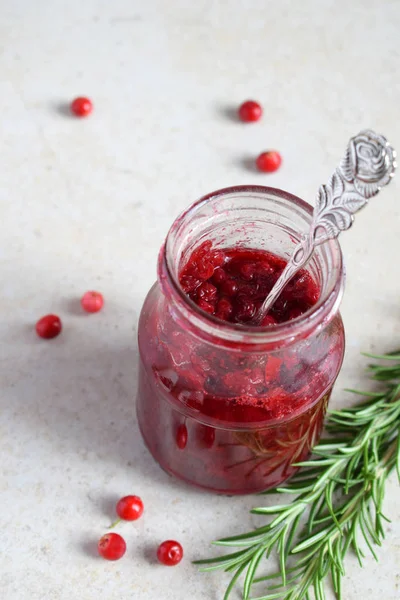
[341, 490]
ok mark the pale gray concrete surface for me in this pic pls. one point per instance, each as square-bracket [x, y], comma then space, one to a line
[86, 204]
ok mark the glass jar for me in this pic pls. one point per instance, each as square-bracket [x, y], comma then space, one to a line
[244, 437]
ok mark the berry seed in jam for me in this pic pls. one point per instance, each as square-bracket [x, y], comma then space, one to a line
[236, 290]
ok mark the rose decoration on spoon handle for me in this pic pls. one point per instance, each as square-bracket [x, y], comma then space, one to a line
[367, 166]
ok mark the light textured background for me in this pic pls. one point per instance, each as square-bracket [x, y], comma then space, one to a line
[86, 204]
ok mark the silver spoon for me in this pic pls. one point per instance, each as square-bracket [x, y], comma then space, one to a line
[368, 164]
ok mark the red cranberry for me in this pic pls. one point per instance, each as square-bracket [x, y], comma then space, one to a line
[130, 508]
[268, 320]
[204, 269]
[279, 309]
[305, 288]
[224, 309]
[295, 312]
[81, 107]
[247, 271]
[189, 283]
[181, 436]
[92, 302]
[217, 258]
[264, 269]
[111, 546]
[268, 162]
[219, 276]
[49, 327]
[206, 306]
[202, 250]
[250, 111]
[245, 310]
[229, 287]
[170, 553]
[207, 291]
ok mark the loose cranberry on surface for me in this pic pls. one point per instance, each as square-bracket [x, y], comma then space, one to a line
[49, 327]
[111, 546]
[250, 111]
[92, 302]
[170, 553]
[81, 107]
[268, 162]
[130, 508]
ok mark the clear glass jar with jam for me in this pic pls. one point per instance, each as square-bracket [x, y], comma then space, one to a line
[223, 404]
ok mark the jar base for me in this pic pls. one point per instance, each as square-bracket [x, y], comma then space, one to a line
[209, 489]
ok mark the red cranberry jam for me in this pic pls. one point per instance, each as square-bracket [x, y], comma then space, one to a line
[232, 284]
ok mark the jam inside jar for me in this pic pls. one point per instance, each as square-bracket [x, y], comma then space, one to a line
[223, 404]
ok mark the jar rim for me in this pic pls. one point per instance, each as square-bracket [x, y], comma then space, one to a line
[241, 335]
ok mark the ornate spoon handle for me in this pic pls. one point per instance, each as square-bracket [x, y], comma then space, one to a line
[367, 166]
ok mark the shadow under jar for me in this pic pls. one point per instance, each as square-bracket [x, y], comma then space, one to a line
[228, 406]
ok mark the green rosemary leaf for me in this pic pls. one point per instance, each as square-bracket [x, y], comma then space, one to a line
[395, 356]
[276, 596]
[319, 463]
[359, 393]
[255, 533]
[292, 532]
[252, 568]
[369, 525]
[314, 511]
[233, 581]
[329, 502]
[280, 585]
[275, 576]
[282, 553]
[310, 541]
[366, 538]
[398, 457]
[296, 489]
[219, 559]
[269, 510]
